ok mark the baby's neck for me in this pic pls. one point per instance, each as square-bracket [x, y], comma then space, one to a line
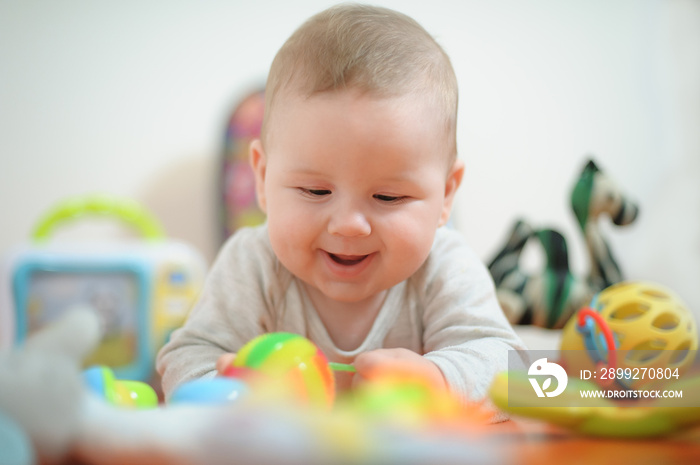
[347, 323]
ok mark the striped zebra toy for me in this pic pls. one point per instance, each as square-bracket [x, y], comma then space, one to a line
[548, 299]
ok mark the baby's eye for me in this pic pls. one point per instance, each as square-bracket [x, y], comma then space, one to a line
[389, 198]
[315, 192]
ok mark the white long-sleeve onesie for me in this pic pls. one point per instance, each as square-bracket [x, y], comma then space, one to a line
[447, 311]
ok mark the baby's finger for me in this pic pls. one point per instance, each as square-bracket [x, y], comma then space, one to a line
[224, 362]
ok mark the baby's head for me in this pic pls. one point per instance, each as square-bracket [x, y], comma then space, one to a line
[374, 51]
[357, 167]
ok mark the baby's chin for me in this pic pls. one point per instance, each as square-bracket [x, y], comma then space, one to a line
[346, 295]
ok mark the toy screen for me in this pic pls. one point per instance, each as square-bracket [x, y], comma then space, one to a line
[113, 295]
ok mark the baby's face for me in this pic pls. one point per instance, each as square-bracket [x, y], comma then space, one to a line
[354, 188]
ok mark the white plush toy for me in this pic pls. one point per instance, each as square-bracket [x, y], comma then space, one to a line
[48, 416]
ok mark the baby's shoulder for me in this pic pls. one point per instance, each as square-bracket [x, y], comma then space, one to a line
[450, 245]
[449, 256]
[248, 241]
[248, 251]
[248, 255]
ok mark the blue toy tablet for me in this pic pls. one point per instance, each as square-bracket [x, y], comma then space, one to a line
[140, 289]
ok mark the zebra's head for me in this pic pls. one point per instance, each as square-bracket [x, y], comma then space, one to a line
[596, 193]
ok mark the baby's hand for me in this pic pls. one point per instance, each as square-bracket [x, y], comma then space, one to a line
[224, 362]
[381, 361]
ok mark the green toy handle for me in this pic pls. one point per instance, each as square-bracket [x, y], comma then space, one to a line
[128, 211]
[335, 366]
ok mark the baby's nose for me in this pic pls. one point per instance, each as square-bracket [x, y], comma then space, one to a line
[349, 221]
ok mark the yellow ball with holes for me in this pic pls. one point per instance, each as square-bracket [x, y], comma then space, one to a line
[652, 327]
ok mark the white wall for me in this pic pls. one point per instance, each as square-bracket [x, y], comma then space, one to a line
[131, 98]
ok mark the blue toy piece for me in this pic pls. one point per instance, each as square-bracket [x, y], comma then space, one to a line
[596, 342]
[218, 390]
[130, 394]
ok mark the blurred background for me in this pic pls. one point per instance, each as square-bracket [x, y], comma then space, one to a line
[132, 99]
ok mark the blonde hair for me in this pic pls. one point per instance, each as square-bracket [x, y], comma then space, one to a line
[372, 49]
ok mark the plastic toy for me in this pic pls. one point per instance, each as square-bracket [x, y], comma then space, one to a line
[631, 325]
[120, 393]
[293, 359]
[129, 212]
[141, 288]
[281, 367]
[289, 368]
[402, 398]
[635, 337]
[239, 207]
[550, 298]
[219, 390]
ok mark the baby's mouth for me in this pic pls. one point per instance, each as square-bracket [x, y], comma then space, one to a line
[347, 260]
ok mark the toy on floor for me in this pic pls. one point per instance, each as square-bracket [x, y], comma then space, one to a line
[293, 362]
[122, 393]
[278, 367]
[634, 340]
[548, 299]
[649, 327]
[403, 398]
[65, 421]
[219, 390]
[142, 288]
[286, 368]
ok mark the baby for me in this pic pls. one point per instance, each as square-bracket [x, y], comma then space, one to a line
[357, 170]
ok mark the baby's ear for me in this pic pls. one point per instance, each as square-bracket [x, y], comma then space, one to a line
[258, 161]
[454, 179]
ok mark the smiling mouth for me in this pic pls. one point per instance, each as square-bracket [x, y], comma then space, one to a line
[347, 260]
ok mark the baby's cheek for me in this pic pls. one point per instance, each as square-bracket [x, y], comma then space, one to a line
[413, 245]
[285, 234]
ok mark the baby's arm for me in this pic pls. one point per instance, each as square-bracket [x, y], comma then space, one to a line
[232, 309]
[465, 333]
